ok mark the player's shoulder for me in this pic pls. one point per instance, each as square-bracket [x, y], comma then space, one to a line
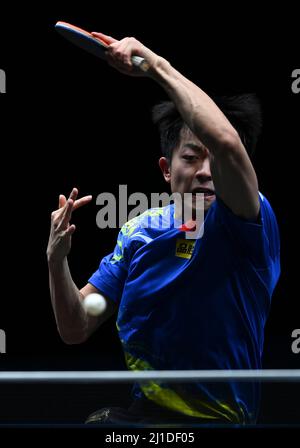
[149, 219]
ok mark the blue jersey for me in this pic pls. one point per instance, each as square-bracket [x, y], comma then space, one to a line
[194, 304]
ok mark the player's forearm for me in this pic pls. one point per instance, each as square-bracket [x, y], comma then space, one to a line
[197, 109]
[66, 299]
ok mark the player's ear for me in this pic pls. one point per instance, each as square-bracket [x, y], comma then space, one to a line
[164, 165]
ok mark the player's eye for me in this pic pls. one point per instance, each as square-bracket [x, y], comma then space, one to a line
[189, 158]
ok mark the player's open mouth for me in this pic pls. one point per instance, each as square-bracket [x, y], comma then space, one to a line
[206, 191]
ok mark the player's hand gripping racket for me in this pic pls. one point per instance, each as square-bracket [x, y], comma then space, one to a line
[93, 45]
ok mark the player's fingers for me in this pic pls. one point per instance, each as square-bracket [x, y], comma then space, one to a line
[82, 201]
[119, 55]
[66, 216]
[127, 48]
[73, 194]
[118, 65]
[62, 201]
[65, 233]
[70, 230]
[62, 216]
[119, 50]
[107, 39]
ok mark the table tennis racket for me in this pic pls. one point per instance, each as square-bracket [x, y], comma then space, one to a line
[93, 45]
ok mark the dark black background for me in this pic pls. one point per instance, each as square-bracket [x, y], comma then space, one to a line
[70, 120]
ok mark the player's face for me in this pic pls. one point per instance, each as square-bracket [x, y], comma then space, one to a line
[189, 171]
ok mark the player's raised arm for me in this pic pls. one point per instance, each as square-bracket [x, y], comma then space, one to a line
[233, 174]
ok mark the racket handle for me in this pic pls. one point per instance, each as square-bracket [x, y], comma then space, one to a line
[140, 62]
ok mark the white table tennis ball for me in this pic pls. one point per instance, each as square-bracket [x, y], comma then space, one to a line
[94, 304]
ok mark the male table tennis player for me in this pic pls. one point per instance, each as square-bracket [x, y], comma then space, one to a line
[200, 308]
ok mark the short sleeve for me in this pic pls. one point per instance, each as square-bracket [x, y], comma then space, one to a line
[259, 241]
[112, 273]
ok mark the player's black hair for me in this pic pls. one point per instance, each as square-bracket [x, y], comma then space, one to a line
[243, 111]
